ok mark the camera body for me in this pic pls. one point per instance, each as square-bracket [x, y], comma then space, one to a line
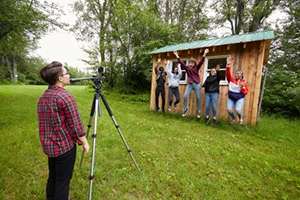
[101, 70]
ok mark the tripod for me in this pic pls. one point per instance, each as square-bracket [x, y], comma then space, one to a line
[95, 111]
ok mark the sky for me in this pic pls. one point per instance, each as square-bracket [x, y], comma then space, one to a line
[60, 45]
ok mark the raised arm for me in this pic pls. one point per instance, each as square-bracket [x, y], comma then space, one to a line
[198, 66]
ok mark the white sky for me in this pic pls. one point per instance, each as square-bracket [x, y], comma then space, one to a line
[60, 45]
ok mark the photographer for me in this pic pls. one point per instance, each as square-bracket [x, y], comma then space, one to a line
[60, 128]
[160, 85]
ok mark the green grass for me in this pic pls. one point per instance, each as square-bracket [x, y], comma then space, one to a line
[179, 158]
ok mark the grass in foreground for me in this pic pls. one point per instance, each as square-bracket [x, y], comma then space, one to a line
[179, 158]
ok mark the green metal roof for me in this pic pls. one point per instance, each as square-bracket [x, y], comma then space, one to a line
[233, 39]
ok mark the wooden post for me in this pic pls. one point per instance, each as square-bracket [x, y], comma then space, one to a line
[261, 94]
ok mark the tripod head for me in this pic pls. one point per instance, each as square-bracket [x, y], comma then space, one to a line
[96, 79]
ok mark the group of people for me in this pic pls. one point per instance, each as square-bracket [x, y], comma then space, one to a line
[61, 128]
[237, 88]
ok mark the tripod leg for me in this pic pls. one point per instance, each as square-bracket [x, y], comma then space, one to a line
[94, 145]
[89, 127]
[118, 128]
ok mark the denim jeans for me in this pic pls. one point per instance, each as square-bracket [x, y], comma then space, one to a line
[190, 87]
[211, 98]
[237, 104]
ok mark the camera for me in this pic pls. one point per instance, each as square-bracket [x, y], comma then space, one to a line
[101, 70]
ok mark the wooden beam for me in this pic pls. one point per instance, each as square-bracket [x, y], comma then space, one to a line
[228, 47]
[213, 49]
[244, 46]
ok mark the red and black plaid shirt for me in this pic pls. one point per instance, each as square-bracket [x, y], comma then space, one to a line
[60, 124]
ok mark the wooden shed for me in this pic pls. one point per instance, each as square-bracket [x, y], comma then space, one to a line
[250, 53]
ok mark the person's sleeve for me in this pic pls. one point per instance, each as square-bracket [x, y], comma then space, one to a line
[198, 66]
[168, 69]
[244, 89]
[181, 63]
[218, 75]
[73, 118]
[228, 74]
[179, 71]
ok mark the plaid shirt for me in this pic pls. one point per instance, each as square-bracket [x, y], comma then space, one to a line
[59, 121]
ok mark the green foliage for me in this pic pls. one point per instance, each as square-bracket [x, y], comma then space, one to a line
[243, 16]
[283, 85]
[179, 157]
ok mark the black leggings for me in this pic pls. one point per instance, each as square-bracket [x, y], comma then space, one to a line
[173, 91]
[161, 91]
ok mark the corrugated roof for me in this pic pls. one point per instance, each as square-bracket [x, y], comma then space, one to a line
[233, 39]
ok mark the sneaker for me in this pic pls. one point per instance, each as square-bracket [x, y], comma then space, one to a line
[169, 108]
[184, 112]
[156, 109]
[175, 107]
[214, 122]
[163, 110]
[199, 114]
[207, 121]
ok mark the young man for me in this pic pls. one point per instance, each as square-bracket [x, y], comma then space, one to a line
[160, 86]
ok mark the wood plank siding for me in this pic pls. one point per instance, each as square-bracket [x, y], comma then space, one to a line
[249, 57]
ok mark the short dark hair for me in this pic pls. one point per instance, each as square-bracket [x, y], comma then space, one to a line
[161, 69]
[51, 72]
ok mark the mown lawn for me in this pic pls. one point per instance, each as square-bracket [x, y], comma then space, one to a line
[179, 157]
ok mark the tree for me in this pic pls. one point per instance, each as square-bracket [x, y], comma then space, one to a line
[283, 85]
[123, 32]
[22, 23]
[243, 16]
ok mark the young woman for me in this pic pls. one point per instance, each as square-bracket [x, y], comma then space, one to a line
[192, 70]
[60, 128]
[238, 89]
[174, 79]
[211, 86]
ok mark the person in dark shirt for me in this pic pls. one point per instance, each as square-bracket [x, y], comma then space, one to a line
[160, 86]
[211, 86]
[60, 128]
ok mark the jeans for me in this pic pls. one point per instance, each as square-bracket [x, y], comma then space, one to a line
[190, 87]
[60, 174]
[211, 98]
[238, 106]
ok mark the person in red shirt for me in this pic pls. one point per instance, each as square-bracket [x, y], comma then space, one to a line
[60, 128]
[237, 90]
[192, 70]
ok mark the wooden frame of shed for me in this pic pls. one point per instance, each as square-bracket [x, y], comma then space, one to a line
[250, 53]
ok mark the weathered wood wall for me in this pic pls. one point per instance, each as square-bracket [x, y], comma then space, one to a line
[248, 57]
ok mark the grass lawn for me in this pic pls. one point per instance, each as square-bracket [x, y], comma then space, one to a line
[179, 157]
